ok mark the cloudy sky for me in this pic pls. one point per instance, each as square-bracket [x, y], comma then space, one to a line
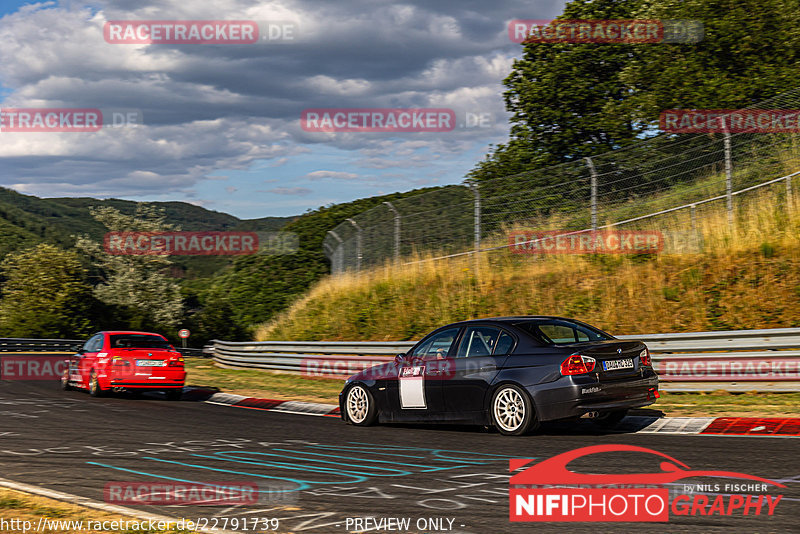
[221, 122]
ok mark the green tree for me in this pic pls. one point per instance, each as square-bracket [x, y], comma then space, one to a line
[572, 100]
[44, 294]
[749, 53]
[136, 282]
[561, 97]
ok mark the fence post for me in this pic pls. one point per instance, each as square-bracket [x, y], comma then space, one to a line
[593, 173]
[396, 230]
[728, 176]
[477, 246]
[358, 244]
[337, 255]
[789, 193]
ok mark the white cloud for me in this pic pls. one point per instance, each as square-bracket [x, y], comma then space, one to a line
[333, 175]
[209, 110]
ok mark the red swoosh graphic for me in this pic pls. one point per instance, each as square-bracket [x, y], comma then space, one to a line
[554, 470]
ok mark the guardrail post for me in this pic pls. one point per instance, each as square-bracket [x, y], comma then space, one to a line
[593, 196]
[789, 193]
[396, 230]
[728, 176]
[358, 244]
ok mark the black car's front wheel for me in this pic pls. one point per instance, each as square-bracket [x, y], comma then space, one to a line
[512, 411]
[359, 406]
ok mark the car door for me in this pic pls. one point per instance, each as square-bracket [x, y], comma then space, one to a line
[416, 394]
[88, 358]
[482, 352]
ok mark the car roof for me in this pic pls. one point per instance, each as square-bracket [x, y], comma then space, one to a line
[117, 332]
[515, 318]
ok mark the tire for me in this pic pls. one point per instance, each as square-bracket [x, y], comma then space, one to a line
[94, 386]
[610, 420]
[512, 411]
[359, 406]
[173, 394]
[65, 385]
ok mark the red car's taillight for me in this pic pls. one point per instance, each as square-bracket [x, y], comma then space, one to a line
[176, 363]
[644, 358]
[577, 364]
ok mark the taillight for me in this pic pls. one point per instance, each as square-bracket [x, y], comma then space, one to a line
[577, 364]
[644, 357]
[120, 361]
[176, 363]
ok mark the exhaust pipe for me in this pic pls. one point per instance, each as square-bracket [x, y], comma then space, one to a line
[591, 415]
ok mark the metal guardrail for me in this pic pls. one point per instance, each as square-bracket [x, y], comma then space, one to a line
[737, 360]
[65, 345]
[38, 345]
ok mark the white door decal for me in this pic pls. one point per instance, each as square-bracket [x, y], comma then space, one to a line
[412, 387]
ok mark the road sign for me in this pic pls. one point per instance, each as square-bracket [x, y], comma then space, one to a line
[183, 333]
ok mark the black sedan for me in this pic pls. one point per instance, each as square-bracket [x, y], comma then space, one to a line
[509, 372]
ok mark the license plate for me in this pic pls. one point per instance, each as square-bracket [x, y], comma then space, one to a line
[613, 365]
[150, 363]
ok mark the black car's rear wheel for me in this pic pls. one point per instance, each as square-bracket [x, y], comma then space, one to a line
[359, 406]
[512, 411]
[174, 394]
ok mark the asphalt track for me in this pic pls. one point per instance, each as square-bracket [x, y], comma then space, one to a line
[70, 442]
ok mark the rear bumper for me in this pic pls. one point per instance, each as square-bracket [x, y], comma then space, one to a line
[174, 380]
[147, 385]
[574, 396]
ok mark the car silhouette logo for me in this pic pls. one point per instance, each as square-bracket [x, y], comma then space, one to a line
[554, 470]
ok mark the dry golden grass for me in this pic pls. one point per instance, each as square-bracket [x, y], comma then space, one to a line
[20, 507]
[744, 276]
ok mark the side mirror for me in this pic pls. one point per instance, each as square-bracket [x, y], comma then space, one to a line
[399, 359]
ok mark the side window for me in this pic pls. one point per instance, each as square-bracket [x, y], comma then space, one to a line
[94, 344]
[504, 344]
[437, 345]
[478, 341]
[558, 333]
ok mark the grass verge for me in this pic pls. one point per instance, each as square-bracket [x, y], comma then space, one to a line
[270, 385]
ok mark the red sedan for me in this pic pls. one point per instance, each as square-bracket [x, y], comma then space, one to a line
[134, 361]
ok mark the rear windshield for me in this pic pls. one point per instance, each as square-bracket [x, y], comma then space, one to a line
[558, 331]
[138, 341]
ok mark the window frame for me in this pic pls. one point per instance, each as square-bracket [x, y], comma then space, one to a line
[576, 326]
[456, 340]
[493, 352]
